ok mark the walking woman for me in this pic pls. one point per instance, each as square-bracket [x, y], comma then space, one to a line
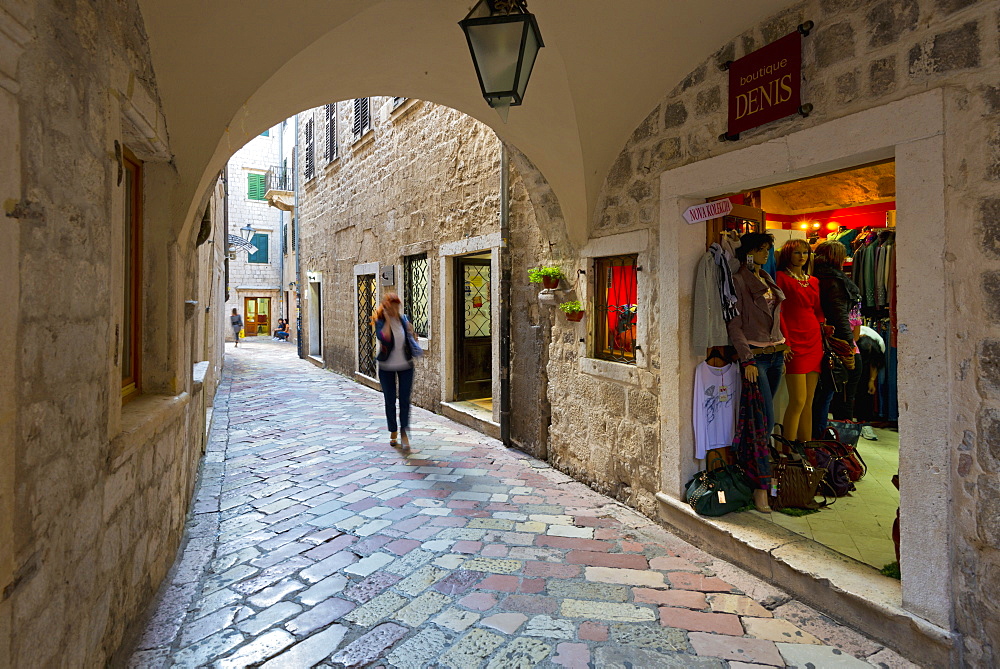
[236, 322]
[395, 365]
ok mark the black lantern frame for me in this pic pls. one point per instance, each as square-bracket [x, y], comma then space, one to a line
[502, 13]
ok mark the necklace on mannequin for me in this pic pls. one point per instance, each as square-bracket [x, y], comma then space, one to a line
[802, 278]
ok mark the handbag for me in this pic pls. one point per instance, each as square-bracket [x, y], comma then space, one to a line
[833, 369]
[846, 431]
[719, 490]
[415, 350]
[846, 453]
[798, 483]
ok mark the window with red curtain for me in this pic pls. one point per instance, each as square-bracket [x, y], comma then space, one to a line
[615, 307]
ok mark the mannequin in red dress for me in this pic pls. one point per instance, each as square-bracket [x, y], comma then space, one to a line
[802, 325]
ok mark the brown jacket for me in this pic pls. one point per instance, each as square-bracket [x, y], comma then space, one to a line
[755, 321]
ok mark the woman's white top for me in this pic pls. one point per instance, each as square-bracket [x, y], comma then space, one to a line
[716, 400]
[396, 362]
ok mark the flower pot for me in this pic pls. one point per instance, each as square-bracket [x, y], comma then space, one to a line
[576, 316]
[550, 282]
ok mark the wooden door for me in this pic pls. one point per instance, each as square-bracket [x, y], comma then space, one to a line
[473, 329]
[257, 316]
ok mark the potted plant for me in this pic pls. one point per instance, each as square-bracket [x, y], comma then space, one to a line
[548, 276]
[573, 310]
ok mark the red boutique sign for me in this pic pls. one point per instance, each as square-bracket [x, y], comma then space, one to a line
[765, 85]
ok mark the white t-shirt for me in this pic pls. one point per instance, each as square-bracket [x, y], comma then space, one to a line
[397, 356]
[716, 400]
[868, 332]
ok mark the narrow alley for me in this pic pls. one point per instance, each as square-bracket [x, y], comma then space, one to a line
[312, 542]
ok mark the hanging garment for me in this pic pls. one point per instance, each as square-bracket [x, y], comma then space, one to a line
[716, 398]
[708, 326]
[727, 291]
[750, 443]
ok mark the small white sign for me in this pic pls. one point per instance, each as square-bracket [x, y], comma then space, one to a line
[704, 212]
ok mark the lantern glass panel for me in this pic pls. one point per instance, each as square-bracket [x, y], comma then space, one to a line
[531, 47]
[497, 47]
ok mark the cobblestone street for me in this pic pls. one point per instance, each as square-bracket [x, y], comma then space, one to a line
[311, 542]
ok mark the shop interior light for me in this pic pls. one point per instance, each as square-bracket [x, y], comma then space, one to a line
[504, 41]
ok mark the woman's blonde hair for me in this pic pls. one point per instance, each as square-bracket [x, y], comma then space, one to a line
[387, 299]
[790, 247]
[831, 253]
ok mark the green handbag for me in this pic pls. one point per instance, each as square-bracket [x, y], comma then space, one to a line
[719, 490]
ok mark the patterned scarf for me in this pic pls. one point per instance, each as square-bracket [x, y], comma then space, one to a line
[750, 444]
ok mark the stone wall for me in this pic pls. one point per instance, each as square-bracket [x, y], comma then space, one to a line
[860, 55]
[422, 176]
[99, 489]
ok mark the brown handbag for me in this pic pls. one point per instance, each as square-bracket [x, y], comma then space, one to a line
[798, 483]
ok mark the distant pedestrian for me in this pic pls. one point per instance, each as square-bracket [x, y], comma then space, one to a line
[395, 364]
[236, 321]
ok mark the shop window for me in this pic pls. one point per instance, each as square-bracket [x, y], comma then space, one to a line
[130, 332]
[331, 132]
[615, 308]
[416, 292]
[362, 116]
[256, 185]
[260, 240]
[310, 166]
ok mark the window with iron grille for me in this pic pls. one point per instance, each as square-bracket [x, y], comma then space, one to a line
[362, 116]
[259, 240]
[310, 150]
[256, 186]
[331, 132]
[284, 240]
[366, 332]
[615, 308]
[416, 291]
[295, 233]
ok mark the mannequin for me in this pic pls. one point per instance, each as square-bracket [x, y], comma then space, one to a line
[756, 334]
[801, 324]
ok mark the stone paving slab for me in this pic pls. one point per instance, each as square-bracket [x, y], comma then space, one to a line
[313, 543]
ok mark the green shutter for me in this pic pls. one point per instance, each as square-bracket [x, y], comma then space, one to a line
[260, 240]
[256, 186]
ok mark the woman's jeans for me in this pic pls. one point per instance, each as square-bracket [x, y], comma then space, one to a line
[770, 367]
[843, 404]
[388, 381]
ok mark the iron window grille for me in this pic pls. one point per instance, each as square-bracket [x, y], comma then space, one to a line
[362, 116]
[310, 166]
[331, 132]
[416, 292]
[615, 308]
[366, 332]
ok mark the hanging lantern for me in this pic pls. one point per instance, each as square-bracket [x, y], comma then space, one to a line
[504, 41]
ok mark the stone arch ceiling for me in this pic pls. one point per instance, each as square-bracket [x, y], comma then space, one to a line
[228, 69]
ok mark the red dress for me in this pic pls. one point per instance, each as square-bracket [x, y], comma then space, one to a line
[801, 323]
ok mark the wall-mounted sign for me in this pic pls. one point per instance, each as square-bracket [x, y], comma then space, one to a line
[388, 275]
[765, 85]
[709, 210]
[237, 242]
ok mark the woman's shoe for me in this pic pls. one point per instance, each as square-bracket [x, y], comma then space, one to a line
[392, 439]
[760, 501]
[868, 433]
[405, 439]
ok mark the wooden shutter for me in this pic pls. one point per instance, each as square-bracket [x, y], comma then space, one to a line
[362, 116]
[331, 132]
[310, 150]
[255, 186]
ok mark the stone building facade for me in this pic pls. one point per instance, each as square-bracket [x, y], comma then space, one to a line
[256, 289]
[411, 187]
